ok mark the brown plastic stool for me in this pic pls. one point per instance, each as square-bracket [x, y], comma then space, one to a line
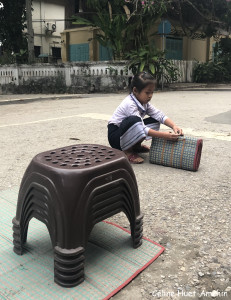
[71, 189]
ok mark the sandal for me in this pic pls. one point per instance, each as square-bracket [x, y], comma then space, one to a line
[134, 158]
[141, 149]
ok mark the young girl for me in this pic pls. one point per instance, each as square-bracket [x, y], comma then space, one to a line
[127, 128]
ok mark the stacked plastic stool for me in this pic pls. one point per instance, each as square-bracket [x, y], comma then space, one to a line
[70, 189]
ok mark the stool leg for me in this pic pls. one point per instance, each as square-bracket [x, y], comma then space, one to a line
[19, 236]
[137, 231]
[69, 266]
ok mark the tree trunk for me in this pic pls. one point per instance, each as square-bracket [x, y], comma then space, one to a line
[30, 33]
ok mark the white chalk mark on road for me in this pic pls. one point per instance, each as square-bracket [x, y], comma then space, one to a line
[105, 117]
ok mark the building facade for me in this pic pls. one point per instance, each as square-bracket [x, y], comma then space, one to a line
[57, 39]
[79, 45]
[48, 21]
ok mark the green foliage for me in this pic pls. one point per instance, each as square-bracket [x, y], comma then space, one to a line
[111, 20]
[10, 58]
[112, 71]
[21, 57]
[145, 7]
[218, 70]
[211, 72]
[152, 60]
[124, 24]
[203, 16]
[12, 23]
[222, 50]
[7, 59]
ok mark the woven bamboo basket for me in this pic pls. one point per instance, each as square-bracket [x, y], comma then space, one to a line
[185, 153]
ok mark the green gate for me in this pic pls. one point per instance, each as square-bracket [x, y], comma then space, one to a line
[105, 53]
[79, 52]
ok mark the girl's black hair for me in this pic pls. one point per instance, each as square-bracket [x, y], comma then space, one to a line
[141, 80]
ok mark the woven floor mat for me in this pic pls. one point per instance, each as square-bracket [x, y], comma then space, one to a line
[111, 262]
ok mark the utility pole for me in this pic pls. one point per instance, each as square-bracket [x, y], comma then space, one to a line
[30, 32]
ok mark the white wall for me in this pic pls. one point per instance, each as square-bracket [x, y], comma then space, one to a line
[18, 75]
[43, 13]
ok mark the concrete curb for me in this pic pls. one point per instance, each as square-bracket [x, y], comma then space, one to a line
[26, 98]
[199, 87]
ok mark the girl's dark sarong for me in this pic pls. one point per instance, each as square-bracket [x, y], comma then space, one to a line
[130, 132]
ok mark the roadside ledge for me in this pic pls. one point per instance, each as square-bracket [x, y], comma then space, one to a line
[25, 98]
[199, 86]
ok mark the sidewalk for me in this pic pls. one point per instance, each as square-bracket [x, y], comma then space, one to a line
[199, 87]
[25, 98]
[12, 98]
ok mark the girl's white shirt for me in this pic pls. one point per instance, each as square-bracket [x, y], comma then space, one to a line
[130, 106]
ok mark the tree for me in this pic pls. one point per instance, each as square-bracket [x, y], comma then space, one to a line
[143, 14]
[152, 60]
[204, 16]
[12, 24]
[193, 16]
[111, 19]
[124, 24]
[30, 32]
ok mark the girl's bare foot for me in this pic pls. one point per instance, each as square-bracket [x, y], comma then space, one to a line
[141, 148]
[134, 158]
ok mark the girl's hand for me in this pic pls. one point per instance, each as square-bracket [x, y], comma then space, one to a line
[178, 130]
[171, 136]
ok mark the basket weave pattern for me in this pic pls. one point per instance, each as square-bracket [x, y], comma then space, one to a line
[184, 153]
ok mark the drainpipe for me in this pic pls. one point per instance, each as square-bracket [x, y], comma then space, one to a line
[207, 49]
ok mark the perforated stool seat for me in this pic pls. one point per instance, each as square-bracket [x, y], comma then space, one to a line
[70, 189]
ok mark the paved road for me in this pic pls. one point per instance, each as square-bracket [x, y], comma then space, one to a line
[187, 212]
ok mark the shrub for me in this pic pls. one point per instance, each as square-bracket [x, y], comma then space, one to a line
[211, 72]
[149, 58]
[218, 70]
